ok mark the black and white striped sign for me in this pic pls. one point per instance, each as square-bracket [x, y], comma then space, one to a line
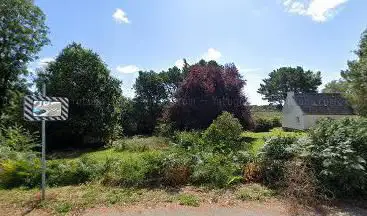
[39, 108]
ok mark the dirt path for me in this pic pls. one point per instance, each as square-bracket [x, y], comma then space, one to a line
[249, 209]
[273, 208]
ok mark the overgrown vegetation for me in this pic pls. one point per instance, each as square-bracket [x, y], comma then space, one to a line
[198, 113]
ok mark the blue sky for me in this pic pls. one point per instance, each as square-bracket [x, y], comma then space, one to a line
[257, 35]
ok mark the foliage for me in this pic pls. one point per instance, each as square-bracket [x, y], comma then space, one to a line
[253, 192]
[356, 77]
[17, 139]
[140, 144]
[177, 167]
[275, 153]
[286, 79]
[301, 183]
[134, 170]
[214, 170]
[336, 86]
[172, 79]
[72, 172]
[188, 200]
[80, 75]
[164, 129]
[15, 173]
[223, 134]
[129, 117]
[252, 172]
[207, 91]
[266, 124]
[22, 35]
[150, 98]
[189, 140]
[338, 152]
[16, 143]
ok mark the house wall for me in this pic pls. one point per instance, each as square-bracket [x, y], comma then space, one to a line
[310, 120]
[292, 114]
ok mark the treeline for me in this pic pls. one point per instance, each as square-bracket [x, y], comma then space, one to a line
[187, 98]
[176, 99]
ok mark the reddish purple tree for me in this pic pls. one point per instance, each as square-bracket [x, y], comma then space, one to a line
[207, 91]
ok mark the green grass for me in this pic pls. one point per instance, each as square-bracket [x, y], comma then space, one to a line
[270, 114]
[141, 144]
[253, 192]
[257, 139]
[62, 200]
[188, 200]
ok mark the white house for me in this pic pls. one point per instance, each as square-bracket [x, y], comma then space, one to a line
[301, 111]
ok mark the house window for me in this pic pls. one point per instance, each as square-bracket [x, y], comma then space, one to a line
[298, 120]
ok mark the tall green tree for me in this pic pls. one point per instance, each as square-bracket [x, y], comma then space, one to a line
[285, 79]
[336, 86]
[80, 75]
[151, 97]
[356, 76]
[172, 79]
[22, 35]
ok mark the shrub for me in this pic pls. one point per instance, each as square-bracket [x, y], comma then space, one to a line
[274, 154]
[252, 172]
[278, 148]
[177, 167]
[72, 172]
[189, 140]
[339, 153]
[301, 183]
[15, 173]
[214, 170]
[266, 124]
[164, 130]
[223, 135]
[16, 138]
[135, 170]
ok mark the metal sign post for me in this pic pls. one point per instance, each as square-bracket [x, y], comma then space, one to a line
[43, 108]
[43, 184]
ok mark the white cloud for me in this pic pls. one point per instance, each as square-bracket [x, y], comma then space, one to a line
[43, 62]
[212, 54]
[318, 10]
[120, 16]
[127, 69]
[180, 63]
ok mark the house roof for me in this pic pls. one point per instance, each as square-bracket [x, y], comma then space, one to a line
[323, 104]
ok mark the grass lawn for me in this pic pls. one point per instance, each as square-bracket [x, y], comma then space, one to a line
[257, 139]
[75, 199]
[260, 114]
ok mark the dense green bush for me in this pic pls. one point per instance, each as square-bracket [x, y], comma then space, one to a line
[274, 155]
[223, 135]
[189, 140]
[339, 154]
[135, 170]
[15, 173]
[177, 167]
[19, 165]
[215, 170]
[266, 124]
[17, 139]
[72, 172]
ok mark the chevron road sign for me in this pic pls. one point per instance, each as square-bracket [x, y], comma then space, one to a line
[39, 108]
[43, 108]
